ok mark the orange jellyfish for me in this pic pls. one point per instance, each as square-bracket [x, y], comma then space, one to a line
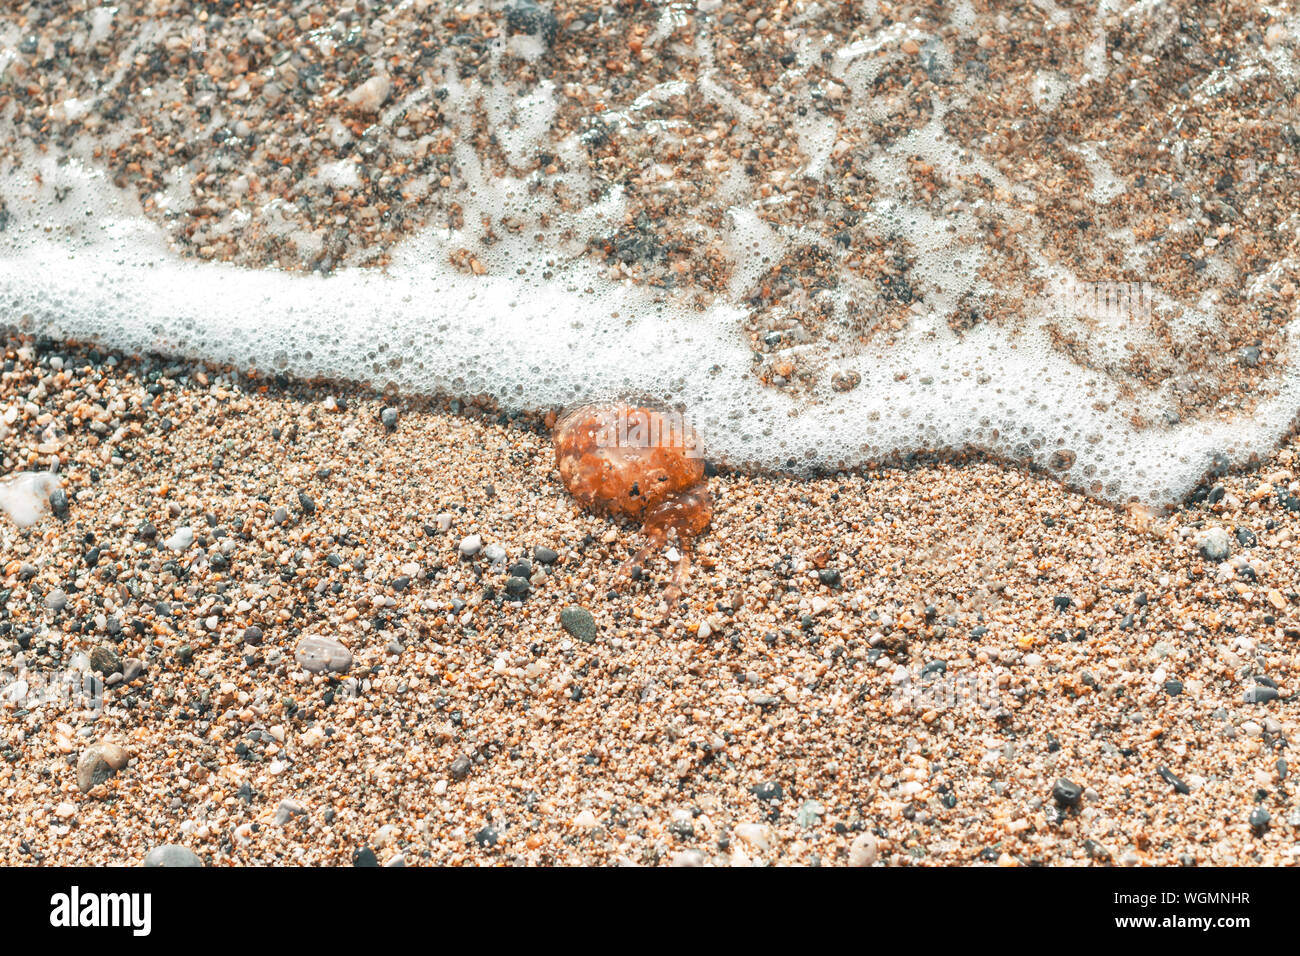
[644, 464]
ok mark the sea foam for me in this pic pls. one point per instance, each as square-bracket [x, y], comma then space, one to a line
[103, 273]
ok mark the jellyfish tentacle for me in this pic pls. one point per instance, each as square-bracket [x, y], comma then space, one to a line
[655, 542]
[673, 592]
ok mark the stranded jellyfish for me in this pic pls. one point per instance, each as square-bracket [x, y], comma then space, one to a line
[644, 464]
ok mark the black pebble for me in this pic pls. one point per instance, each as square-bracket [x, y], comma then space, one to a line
[1170, 778]
[59, 503]
[768, 791]
[1067, 793]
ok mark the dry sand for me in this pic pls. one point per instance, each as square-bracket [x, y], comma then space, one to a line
[780, 716]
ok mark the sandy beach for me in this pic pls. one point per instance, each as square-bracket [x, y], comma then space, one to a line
[947, 664]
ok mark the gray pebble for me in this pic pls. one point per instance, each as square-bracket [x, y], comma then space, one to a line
[172, 855]
[579, 622]
[1260, 694]
[1214, 544]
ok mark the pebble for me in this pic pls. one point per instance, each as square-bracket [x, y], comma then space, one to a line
[1174, 781]
[318, 654]
[105, 660]
[1260, 694]
[460, 767]
[253, 635]
[173, 856]
[181, 540]
[389, 418]
[687, 858]
[768, 791]
[579, 622]
[864, 850]
[545, 555]
[98, 762]
[370, 95]
[1214, 544]
[495, 553]
[56, 600]
[471, 545]
[756, 835]
[286, 811]
[59, 503]
[1259, 818]
[810, 814]
[1067, 793]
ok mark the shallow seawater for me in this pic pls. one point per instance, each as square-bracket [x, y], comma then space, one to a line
[1065, 233]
